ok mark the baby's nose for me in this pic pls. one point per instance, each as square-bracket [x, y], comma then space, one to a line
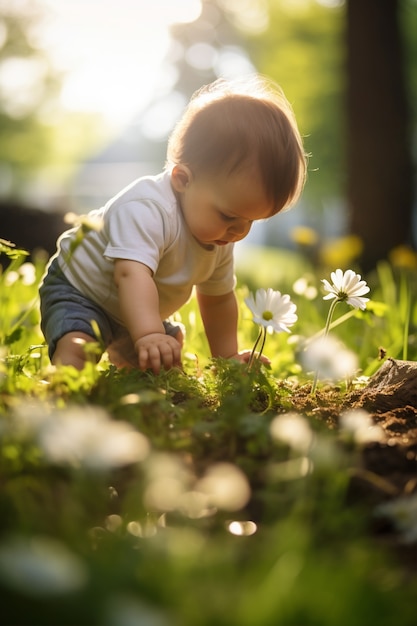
[239, 228]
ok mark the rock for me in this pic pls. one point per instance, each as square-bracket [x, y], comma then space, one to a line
[393, 386]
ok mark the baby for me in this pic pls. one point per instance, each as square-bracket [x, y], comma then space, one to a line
[235, 156]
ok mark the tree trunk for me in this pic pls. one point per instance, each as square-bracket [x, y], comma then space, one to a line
[380, 170]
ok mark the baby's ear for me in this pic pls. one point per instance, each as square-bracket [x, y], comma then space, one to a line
[181, 176]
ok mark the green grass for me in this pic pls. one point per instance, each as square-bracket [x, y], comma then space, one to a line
[213, 522]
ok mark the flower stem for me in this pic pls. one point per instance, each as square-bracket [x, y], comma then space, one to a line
[325, 333]
[263, 343]
[253, 353]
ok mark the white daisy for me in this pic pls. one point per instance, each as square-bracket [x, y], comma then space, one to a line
[272, 310]
[347, 286]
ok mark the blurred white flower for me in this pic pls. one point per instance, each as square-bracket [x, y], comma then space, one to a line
[168, 479]
[28, 273]
[292, 429]
[347, 286]
[272, 310]
[28, 418]
[302, 288]
[226, 486]
[41, 566]
[242, 528]
[88, 437]
[90, 221]
[11, 278]
[359, 425]
[403, 513]
[330, 357]
[126, 610]
[195, 505]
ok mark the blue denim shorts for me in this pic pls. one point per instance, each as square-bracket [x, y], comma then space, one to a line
[64, 309]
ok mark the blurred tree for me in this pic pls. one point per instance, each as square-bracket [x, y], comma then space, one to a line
[301, 47]
[380, 186]
[210, 47]
[343, 67]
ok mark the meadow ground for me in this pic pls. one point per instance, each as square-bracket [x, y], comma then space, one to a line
[216, 494]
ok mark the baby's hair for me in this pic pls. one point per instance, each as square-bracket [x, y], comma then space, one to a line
[244, 124]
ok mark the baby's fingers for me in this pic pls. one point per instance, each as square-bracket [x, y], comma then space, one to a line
[165, 354]
[171, 354]
[244, 357]
[149, 358]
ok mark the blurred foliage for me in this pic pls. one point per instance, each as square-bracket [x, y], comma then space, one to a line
[178, 499]
[283, 40]
[35, 131]
[299, 43]
[302, 49]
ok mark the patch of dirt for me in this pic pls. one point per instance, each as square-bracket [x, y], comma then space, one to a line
[386, 469]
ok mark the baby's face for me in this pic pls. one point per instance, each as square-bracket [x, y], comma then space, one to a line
[221, 209]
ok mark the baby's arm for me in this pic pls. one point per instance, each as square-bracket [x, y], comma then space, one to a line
[220, 316]
[139, 305]
[220, 319]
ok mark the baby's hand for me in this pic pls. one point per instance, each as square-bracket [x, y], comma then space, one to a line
[244, 357]
[158, 350]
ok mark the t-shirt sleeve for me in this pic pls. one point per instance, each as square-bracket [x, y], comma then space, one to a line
[223, 279]
[137, 231]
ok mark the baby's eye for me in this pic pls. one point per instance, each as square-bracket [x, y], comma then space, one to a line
[226, 218]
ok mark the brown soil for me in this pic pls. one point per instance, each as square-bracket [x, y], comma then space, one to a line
[386, 469]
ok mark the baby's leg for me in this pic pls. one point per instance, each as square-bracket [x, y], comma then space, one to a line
[70, 350]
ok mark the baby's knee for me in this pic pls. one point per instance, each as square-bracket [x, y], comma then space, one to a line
[72, 349]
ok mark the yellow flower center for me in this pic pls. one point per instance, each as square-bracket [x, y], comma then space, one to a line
[267, 316]
[342, 296]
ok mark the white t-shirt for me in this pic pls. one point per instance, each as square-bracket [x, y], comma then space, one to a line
[145, 223]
